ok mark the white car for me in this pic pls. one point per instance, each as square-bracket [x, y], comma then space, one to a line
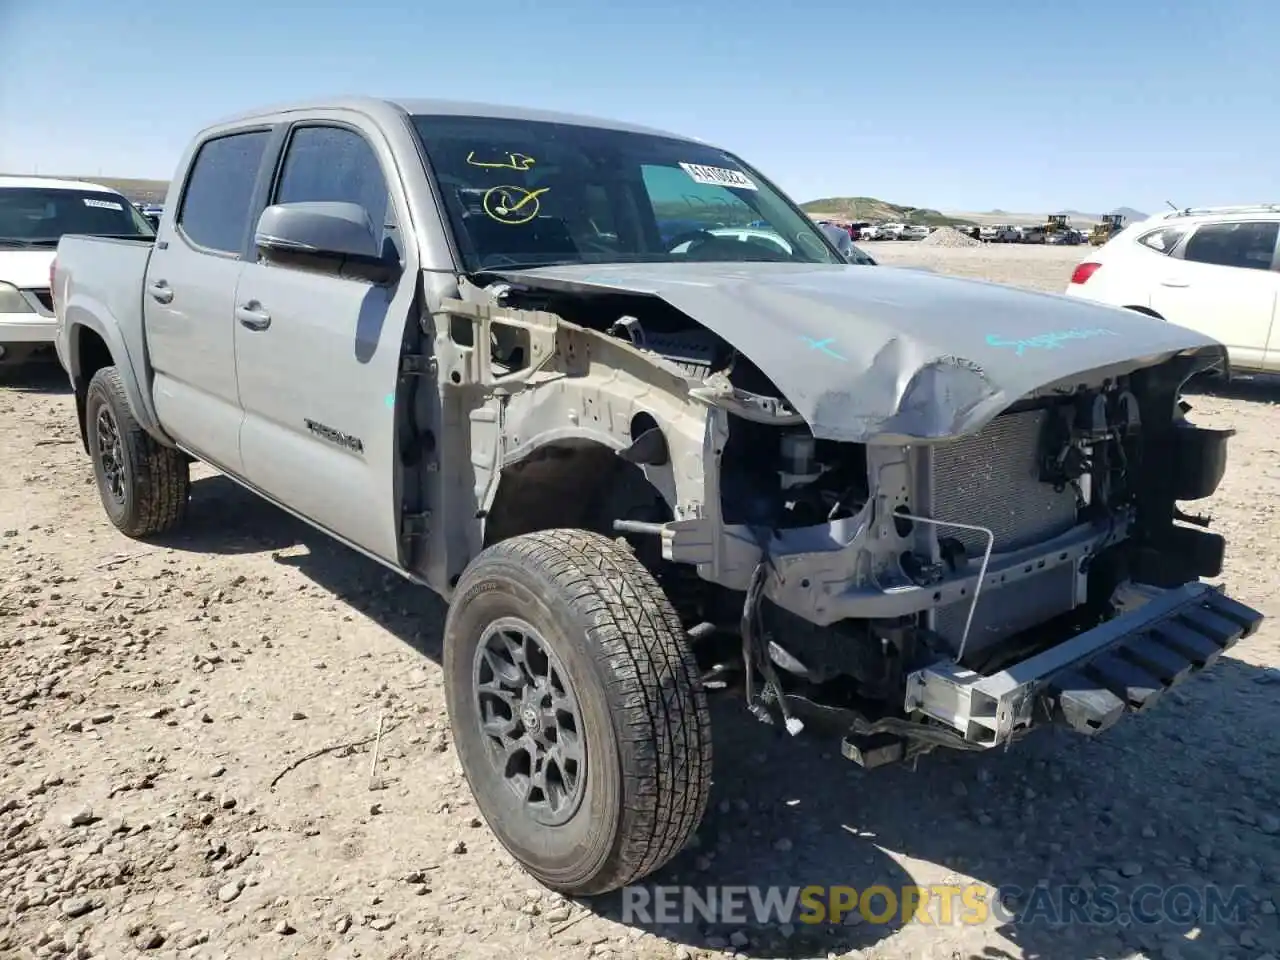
[915, 231]
[1215, 270]
[34, 214]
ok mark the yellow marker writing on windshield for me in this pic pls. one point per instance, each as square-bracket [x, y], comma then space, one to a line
[512, 205]
[514, 161]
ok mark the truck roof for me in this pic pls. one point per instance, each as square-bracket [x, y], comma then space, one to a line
[386, 108]
[49, 183]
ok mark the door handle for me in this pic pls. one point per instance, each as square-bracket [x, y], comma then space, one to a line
[252, 315]
[1174, 283]
[160, 291]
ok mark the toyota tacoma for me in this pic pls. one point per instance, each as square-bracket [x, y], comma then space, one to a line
[909, 511]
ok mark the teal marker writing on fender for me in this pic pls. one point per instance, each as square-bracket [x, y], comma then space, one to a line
[1048, 341]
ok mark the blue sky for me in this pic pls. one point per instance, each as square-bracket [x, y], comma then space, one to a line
[956, 105]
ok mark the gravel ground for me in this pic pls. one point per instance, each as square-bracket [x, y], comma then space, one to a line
[150, 695]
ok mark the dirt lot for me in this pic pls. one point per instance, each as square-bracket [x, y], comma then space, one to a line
[153, 694]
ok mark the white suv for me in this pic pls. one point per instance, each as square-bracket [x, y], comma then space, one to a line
[1213, 269]
[34, 214]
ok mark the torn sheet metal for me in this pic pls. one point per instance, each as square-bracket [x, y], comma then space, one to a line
[885, 354]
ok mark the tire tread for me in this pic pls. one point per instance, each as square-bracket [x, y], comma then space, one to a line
[161, 475]
[662, 717]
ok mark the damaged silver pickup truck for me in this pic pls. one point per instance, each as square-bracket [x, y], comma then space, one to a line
[621, 402]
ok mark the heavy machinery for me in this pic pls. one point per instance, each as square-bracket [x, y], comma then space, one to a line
[1058, 229]
[1112, 223]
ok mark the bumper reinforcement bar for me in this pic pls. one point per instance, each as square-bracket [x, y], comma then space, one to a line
[1090, 681]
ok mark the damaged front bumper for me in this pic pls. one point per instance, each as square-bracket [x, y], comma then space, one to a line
[1089, 682]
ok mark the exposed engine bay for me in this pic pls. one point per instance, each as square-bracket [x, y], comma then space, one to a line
[890, 587]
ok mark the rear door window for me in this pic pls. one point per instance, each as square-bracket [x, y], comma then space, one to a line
[1248, 245]
[215, 204]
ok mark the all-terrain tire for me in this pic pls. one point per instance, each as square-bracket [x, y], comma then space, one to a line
[143, 484]
[643, 713]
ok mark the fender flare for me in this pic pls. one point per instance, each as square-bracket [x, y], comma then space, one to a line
[77, 320]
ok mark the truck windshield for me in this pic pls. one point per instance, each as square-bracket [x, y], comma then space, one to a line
[39, 216]
[535, 193]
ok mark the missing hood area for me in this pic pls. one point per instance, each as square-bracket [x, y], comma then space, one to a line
[860, 354]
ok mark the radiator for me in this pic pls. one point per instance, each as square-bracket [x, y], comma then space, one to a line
[991, 479]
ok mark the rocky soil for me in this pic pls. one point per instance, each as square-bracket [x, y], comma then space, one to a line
[187, 763]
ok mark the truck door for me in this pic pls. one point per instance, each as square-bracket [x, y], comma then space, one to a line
[318, 352]
[189, 294]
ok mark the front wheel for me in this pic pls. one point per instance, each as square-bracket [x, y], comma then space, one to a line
[143, 484]
[576, 709]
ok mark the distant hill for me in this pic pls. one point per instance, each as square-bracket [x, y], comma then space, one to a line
[869, 208]
[139, 191]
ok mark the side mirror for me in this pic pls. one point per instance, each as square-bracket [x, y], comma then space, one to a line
[333, 236]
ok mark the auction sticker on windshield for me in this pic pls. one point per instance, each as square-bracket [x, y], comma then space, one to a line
[718, 176]
[102, 204]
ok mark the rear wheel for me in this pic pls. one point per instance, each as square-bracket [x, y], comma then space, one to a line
[143, 484]
[576, 709]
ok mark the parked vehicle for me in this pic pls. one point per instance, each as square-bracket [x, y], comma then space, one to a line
[1058, 225]
[890, 231]
[915, 231]
[925, 512]
[1211, 269]
[34, 214]
[1031, 234]
[839, 238]
[152, 212]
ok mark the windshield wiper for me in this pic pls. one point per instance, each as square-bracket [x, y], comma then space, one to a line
[27, 244]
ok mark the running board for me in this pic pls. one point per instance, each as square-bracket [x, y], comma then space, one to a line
[1090, 681]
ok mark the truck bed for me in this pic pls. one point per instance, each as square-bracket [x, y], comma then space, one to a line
[102, 279]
